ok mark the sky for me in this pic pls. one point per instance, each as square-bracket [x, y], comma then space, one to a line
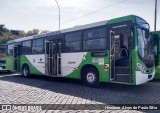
[43, 14]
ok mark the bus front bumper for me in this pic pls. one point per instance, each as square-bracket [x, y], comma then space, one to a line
[143, 78]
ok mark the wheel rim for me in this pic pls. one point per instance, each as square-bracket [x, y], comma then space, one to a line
[91, 77]
[25, 71]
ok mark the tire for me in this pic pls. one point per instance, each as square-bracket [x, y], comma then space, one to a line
[91, 77]
[25, 71]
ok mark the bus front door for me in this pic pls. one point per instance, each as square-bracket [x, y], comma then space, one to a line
[53, 57]
[112, 59]
[120, 56]
[16, 58]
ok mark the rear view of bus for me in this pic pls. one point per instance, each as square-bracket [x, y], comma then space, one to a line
[2, 57]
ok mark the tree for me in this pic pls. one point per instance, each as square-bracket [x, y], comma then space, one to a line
[33, 32]
[6, 34]
[3, 29]
[44, 31]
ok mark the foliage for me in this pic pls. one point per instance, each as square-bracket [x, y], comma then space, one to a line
[33, 32]
[6, 34]
[3, 29]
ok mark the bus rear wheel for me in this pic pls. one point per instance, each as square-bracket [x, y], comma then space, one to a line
[25, 71]
[91, 77]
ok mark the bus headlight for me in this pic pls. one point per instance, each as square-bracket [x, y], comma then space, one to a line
[142, 68]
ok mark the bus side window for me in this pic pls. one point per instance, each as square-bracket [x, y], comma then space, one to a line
[73, 41]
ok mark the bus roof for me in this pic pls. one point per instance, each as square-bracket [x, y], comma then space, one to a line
[76, 28]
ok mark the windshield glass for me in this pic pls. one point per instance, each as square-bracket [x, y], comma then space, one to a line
[144, 40]
[144, 44]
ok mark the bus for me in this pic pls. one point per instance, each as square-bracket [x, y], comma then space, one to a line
[115, 50]
[2, 57]
[156, 36]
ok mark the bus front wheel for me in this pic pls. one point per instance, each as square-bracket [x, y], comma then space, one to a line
[25, 71]
[91, 77]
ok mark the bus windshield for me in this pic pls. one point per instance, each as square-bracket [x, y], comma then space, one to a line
[144, 41]
[143, 45]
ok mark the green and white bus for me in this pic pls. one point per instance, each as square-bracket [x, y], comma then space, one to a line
[2, 57]
[115, 50]
[156, 36]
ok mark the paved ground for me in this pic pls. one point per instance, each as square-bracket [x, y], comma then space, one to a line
[14, 89]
